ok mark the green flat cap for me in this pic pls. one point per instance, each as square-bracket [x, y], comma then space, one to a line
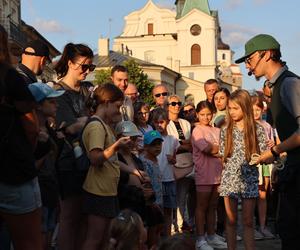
[257, 43]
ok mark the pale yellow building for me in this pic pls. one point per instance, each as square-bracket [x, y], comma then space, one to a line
[187, 41]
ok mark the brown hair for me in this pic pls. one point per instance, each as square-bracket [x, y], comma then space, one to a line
[107, 93]
[125, 231]
[4, 48]
[137, 106]
[159, 113]
[258, 101]
[204, 104]
[71, 52]
[243, 99]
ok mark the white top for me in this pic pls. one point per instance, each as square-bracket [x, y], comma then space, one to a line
[185, 125]
[169, 147]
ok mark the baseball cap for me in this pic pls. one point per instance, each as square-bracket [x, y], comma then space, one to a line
[40, 49]
[257, 43]
[42, 91]
[127, 128]
[150, 136]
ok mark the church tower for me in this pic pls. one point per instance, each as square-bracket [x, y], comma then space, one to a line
[179, 7]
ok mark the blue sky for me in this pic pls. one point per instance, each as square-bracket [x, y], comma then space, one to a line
[63, 21]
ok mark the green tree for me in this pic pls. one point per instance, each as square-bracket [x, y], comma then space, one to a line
[102, 76]
[140, 79]
[135, 75]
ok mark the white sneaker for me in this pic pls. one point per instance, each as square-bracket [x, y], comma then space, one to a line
[215, 242]
[202, 245]
[267, 234]
[258, 235]
[220, 237]
[238, 238]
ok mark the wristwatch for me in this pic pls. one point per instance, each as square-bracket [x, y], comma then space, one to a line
[274, 153]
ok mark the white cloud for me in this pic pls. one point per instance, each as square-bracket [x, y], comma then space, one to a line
[50, 26]
[236, 35]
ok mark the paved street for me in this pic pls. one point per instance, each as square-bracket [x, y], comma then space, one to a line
[263, 245]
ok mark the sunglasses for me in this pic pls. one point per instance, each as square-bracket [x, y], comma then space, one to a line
[175, 103]
[188, 111]
[85, 67]
[161, 94]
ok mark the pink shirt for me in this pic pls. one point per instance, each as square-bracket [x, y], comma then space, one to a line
[207, 167]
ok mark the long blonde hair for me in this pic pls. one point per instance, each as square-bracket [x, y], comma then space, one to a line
[243, 99]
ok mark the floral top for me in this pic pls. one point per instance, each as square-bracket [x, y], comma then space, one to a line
[239, 179]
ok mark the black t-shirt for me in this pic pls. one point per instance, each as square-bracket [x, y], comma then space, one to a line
[16, 152]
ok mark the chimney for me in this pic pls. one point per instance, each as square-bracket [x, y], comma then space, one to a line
[103, 47]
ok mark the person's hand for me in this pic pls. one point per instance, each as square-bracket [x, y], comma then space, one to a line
[266, 157]
[270, 143]
[171, 159]
[123, 141]
[43, 136]
[143, 176]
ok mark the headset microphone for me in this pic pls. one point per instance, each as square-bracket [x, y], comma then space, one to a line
[250, 73]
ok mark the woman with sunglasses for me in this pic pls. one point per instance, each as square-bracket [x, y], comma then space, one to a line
[72, 68]
[181, 129]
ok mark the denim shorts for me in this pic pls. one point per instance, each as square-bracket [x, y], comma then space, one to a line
[169, 194]
[20, 199]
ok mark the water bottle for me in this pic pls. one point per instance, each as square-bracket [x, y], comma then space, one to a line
[77, 149]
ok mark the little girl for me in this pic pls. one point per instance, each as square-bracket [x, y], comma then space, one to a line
[265, 170]
[239, 140]
[208, 168]
[127, 232]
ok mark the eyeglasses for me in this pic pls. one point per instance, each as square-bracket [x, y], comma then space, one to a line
[188, 111]
[85, 67]
[248, 59]
[161, 94]
[175, 103]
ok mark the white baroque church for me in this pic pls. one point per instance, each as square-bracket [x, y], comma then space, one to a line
[187, 41]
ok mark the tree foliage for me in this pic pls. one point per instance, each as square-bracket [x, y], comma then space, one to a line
[135, 76]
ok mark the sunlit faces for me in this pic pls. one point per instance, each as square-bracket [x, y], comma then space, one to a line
[160, 95]
[143, 115]
[220, 100]
[48, 107]
[204, 116]
[235, 111]
[210, 90]
[257, 112]
[80, 72]
[255, 62]
[174, 105]
[161, 125]
[120, 79]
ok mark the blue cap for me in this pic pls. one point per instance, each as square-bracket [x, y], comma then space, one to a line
[150, 136]
[42, 91]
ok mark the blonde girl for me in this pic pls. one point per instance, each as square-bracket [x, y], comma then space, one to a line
[239, 140]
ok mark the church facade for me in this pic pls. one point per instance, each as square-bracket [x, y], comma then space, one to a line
[187, 41]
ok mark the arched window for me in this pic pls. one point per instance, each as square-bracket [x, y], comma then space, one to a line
[196, 54]
[149, 56]
[223, 56]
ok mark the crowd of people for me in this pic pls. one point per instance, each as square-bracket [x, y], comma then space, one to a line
[95, 167]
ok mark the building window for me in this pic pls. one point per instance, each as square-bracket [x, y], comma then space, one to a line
[195, 30]
[150, 28]
[191, 75]
[196, 54]
[223, 56]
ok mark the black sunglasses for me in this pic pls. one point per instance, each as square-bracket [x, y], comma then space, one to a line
[85, 67]
[188, 111]
[161, 94]
[175, 103]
